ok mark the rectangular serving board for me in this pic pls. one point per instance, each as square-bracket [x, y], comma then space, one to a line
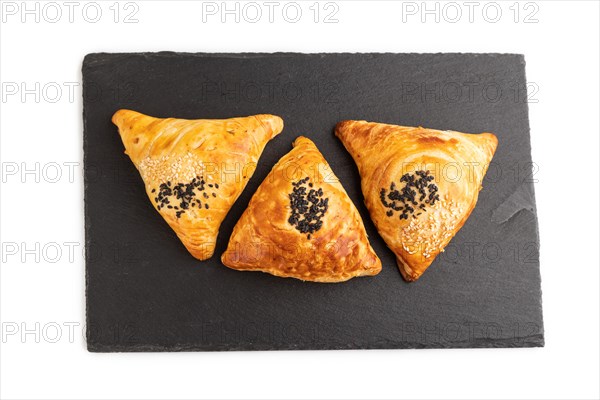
[145, 292]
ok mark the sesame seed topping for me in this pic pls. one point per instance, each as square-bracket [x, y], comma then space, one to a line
[416, 192]
[308, 207]
[167, 168]
[185, 194]
[431, 234]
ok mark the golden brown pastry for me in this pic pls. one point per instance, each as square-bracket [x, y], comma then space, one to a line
[194, 170]
[301, 224]
[420, 185]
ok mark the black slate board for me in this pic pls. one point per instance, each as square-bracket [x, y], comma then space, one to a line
[146, 293]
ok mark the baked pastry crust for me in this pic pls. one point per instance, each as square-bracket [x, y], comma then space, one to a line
[301, 224]
[194, 170]
[397, 165]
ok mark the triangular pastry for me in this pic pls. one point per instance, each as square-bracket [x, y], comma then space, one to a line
[420, 185]
[301, 224]
[194, 170]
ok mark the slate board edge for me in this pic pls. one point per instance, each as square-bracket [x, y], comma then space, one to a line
[528, 342]
[87, 220]
[537, 223]
[97, 57]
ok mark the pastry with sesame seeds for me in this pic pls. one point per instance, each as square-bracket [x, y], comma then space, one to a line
[301, 224]
[194, 170]
[420, 185]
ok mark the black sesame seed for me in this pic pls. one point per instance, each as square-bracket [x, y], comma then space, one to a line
[308, 207]
[406, 198]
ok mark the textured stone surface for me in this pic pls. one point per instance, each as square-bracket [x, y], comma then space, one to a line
[146, 293]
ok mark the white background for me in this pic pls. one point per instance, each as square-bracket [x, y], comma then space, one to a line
[561, 51]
